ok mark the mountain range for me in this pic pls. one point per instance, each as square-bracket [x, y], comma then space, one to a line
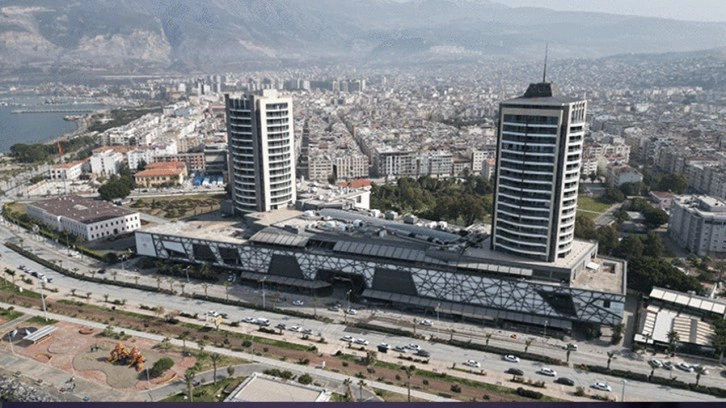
[141, 36]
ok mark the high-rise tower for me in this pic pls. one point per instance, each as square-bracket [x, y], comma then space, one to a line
[261, 151]
[539, 152]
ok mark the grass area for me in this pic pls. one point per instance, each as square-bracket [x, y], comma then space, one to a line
[389, 396]
[206, 393]
[178, 206]
[19, 208]
[590, 204]
[10, 314]
[589, 215]
[40, 320]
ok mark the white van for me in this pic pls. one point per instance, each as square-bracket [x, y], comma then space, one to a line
[262, 321]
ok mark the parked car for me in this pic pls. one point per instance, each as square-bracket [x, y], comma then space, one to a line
[384, 347]
[685, 367]
[294, 328]
[360, 341]
[262, 321]
[307, 331]
[668, 365]
[548, 372]
[281, 326]
[248, 319]
[334, 309]
[351, 312]
[348, 339]
[572, 347]
[423, 353]
[413, 346]
[511, 358]
[515, 371]
[472, 363]
[601, 386]
[565, 381]
[655, 363]
[298, 302]
[400, 349]
[427, 323]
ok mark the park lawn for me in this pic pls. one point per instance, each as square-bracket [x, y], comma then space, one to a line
[18, 208]
[207, 392]
[589, 204]
[178, 206]
[587, 214]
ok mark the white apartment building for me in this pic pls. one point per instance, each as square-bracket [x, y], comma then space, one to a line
[392, 162]
[351, 167]
[261, 151]
[106, 163]
[698, 224]
[149, 153]
[66, 171]
[436, 164]
[85, 217]
[539, 156]
[477, 160]
[320, 167]
[617, 175]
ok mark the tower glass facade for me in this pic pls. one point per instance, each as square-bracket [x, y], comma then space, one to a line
[539, 154]
[261, 148]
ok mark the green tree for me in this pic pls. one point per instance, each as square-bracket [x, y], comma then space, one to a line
[673, 339]
[630, 247]
[160, 366]
[674, 182]
[113, 189]
[699, 370]
[612, 195]
[189, 375]
[410, 370]
[608, 239]
[527, 343]
[585, 227]
[654, 217]
[718, 339]
[653, 245]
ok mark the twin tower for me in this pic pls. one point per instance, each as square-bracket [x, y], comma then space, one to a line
[539, 155]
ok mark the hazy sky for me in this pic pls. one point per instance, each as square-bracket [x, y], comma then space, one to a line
[695, 10]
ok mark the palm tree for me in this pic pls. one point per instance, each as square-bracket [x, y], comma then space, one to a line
[105, 298]
[171, 286]
[226, 290]
[189, 379]
[73, 292]
[182, 285]
[699, 372]
[202, 344]
[371, 358]
[488, 336]
[88, 296]
[315, 306]
[205, 285]
[415, 321]
[348, 393]
[451, 333]
[214, 357]
[114, 274]
[527, 343]
[93, 273]
[410, 370]
[183, 337]
[611, 356]
[136, 280]
[673, 339]
[230, 371]
[570, 347]
[647, 339]
[158, 283]
[361, 384]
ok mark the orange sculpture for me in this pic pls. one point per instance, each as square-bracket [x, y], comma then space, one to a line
[121, 354]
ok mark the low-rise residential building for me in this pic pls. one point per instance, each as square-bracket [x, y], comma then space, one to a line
[67, 171]
[662, 199]
[698, 224]
[84, 217]
[194, 161]
[106, 162]
[161, 174]
[617, 175]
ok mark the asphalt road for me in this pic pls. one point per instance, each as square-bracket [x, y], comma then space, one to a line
[443, 355]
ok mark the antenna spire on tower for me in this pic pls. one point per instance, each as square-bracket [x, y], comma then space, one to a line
[544, 73]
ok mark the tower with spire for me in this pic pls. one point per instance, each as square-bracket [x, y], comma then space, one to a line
[539, 154]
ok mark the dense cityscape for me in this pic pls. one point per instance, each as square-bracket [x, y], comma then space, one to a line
[548, 229]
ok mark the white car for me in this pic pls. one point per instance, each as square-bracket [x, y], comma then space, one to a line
[400, 349]
[413, 346]
[427, 323]
[361, 341]
[298, 302]
[655, 363]
[511, 358]
[249, 320]
[351, 312]
[472, 363]
[294, 328]
[548, 372]
[684, 367]
[349, 339]
[601, 386]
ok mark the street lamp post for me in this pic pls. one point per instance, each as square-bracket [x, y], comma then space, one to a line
[438, 321]
[148, 382]
[546, 322]
[187, 272]
[622, 394]
[263, 292]
[42, 299]
[347, 311]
